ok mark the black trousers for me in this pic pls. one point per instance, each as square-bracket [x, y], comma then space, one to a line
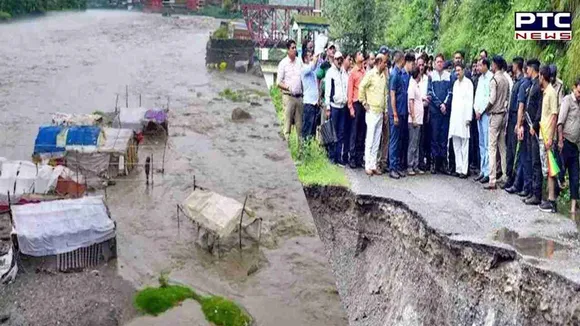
[569, 157]
[474, 144]
[511, 143]
[534, 150]
[358, 133]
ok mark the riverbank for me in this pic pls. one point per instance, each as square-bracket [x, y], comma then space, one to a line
[314, 168]
[80, 69]
[30, 8]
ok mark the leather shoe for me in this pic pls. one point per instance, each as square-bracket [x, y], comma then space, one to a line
[394, 175]
[401, 174]
[490, 187]
[533, 201]
[511, 190]
[479, 177]
[463, 176]
[484, 180]
[523, 193]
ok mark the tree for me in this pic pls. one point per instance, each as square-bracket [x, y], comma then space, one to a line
[353, 22]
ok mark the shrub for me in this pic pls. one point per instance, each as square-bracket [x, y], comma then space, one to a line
[4, 16]
[154, 301]
[223, 312]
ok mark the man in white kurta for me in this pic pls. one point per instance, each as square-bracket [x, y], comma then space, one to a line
[460, 120]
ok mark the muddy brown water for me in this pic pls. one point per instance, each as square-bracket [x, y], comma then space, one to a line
[77, 63]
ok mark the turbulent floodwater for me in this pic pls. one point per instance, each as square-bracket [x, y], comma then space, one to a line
[78, 63]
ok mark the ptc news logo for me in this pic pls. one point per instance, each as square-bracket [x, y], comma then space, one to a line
[555, 26]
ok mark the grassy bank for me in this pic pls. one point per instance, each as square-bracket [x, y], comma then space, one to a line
[217, 310]
[314, 167]
[12, 8]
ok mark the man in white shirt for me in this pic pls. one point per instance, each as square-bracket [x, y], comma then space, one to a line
[335, 84]
[289, 81]
[425, 142]
[482, 94]
[462, 104]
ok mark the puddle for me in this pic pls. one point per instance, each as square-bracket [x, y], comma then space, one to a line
[529, 246]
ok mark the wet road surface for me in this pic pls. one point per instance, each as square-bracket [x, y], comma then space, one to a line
[77, 63]
[464, 211]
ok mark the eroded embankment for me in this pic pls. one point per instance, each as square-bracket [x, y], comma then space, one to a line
[392, 268]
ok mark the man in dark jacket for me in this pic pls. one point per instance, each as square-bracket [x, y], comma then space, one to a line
[511, 141]
[439, 110]
[533, 115]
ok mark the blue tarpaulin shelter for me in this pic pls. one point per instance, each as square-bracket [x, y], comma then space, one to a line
[83, 136]
[46, 140]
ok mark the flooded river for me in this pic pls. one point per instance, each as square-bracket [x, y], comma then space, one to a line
[78, 63]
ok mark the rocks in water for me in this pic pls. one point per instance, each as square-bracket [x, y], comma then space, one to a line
[4, 317]
[253, 269]
[239, 114]
[242, 66]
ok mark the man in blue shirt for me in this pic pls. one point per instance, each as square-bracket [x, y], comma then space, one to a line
[311, 113]
[398, 114]
[439, 88]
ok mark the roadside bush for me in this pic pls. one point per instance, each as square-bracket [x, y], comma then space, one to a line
[4, 16]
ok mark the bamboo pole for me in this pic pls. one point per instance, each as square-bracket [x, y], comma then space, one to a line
[240, 229]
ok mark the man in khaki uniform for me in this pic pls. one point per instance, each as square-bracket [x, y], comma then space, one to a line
[496, 108]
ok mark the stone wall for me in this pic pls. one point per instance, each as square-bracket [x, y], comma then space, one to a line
[230, 51]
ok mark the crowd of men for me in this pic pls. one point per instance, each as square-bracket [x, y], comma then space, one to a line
[405, 114]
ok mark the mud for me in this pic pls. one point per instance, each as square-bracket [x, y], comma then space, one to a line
[78, 62]
[394, 268]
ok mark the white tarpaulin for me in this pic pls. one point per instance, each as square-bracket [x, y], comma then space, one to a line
[22, 177]
[214, 212]
[130, 118]
[60, 226]
[116, 140]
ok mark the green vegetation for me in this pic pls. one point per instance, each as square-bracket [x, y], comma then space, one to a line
[221, 33]
[450, 25]
[22, 7]
[244, 95]
[217, 310]
[221, 311]
[154, 301]
[315, 168]
[234, 96]
[219, 12]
